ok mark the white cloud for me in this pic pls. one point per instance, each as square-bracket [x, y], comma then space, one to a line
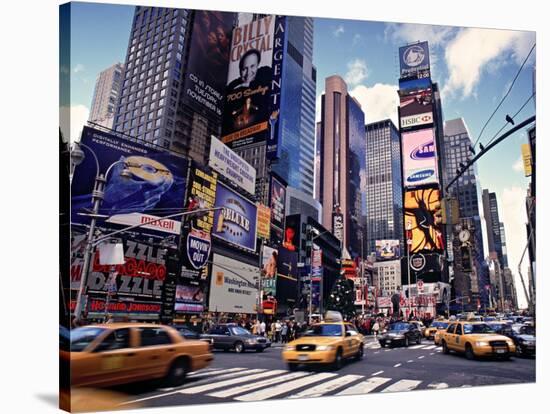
[356, 39]
[518, 165]
[475, 51]
[378, 102]
[318, 107]
[357, 72]
[408, 33]
[72, 119]
[339, 30]
[514, 216]
[78, 68]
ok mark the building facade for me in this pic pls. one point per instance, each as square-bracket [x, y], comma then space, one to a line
[342, 162]
[106, 93]
[387, 277]
[494, 237]
[384, 186]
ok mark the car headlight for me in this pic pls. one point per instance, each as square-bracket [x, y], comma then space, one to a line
[324, 348]
[482, 343]
[511, 343]
[251, 341]
[290, 348]
[399, 336]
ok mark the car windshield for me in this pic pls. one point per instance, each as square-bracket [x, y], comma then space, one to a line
[399, 327]
[237, 330]
[527, 330]
[440, 325]
[324, 330]
[478, 328]
[82, 337]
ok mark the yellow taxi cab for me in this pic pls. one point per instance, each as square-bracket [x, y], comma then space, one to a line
[435, 326]
[476, 339]
[328, 342]
[118, 353]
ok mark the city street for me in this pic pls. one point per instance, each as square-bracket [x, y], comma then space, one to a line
[261, 376]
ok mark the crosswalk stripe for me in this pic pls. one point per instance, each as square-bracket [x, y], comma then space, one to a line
[403, 385]
[220, 384]
[430, 347]
[417, 346]
[438, 385]
[365, 386]
[247, 387]
[329, 386]
[213, 372]
[283, 388]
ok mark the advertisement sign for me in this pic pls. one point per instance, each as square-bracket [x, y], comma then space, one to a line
[526, 156]
[420, 206]
[233, 286]
[417, 262]
[156, 182]
[406, 87]
[277, 200]
[419, 158]
[232, 166]
[239, 218]
[287, 277]
[207, 63]
[416, 120]
[316, 264]
[269, 270]
[203, 188]
[387, 249]
[414, 59]
[115, 307]
[195, 253]
[291, 240]
[264, 221]
[338, 225]
[253, 92]
[189, 298]
[417, 102]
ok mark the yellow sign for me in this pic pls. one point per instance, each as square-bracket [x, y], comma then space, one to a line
[527, 162]
[264, 221]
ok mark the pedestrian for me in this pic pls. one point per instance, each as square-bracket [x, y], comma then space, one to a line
[278, 328]
[375, 328]
[262, 328]
[273, 332]
[284, 332]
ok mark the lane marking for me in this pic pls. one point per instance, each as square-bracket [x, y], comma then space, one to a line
[432, 353]
[323, 388]
[431, 347]
[284, 388]
[403, 385]
[416, 346]
[243, 388]
[377, 373]
[397, 365]
[438, 385]
[420, 357]
[409, 361]
[365, 387]
[220, 384]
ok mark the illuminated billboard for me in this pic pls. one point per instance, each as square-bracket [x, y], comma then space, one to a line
[421, 230]
[387, 249]
[416, 102]
[419, 158]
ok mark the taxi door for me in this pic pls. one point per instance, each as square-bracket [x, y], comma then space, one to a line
[459, 338]
[352, 341]
[449, 336]
[155, 352]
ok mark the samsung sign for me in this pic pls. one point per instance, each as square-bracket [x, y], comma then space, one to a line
[423, 151]
[420, 176]
[416, 120]
[419, 157]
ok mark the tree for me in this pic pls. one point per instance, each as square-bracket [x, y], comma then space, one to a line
[342, 298]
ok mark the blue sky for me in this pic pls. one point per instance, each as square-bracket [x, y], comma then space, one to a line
[473, 67]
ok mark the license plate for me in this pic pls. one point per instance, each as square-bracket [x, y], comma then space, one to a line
[303, 357]
[500, 351]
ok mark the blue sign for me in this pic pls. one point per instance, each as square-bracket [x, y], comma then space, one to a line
[198, 248]
[239, 218]
[420, 175]
[423, 151]
[414, 59]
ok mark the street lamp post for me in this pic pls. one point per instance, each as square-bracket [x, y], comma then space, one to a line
[409, 242]
[310, 305]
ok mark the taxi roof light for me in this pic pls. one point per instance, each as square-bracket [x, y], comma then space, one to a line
[333, 316]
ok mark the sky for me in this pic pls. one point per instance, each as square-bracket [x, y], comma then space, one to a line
[473, 67]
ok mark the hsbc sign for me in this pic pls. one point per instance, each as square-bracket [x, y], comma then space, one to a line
[415, 120]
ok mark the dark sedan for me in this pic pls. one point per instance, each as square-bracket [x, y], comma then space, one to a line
[524, 337]
[401, 333]
[234, 337]
[188, 333]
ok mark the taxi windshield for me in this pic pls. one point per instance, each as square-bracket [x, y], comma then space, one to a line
[82, 337]
[480, 328]
[324, 330]
[440, 325]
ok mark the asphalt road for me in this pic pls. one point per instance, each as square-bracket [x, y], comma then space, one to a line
[255, 376]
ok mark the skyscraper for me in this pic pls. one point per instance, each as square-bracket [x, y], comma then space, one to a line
[342, 163]
[296, 141]
[174, 81]
[384, 201]
[494, 238]
[106, 92]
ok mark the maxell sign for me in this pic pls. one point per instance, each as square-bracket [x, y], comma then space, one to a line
[416, 120]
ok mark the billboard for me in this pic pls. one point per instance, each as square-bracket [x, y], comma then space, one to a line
[416, 102]
[269, 270]
[253, 81]
[278, 201]
[232, 166]
[233, 286]
[387, 249]
[408, 86]
[207, 63]
[264, 221]
[292, 235]
[287, 277]
[239, 218]
[196, 245]
[414, 60]
[420, 206]
[189, 298]
[202, 187]
[419, 158]
[338, 225]
[156, 183]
